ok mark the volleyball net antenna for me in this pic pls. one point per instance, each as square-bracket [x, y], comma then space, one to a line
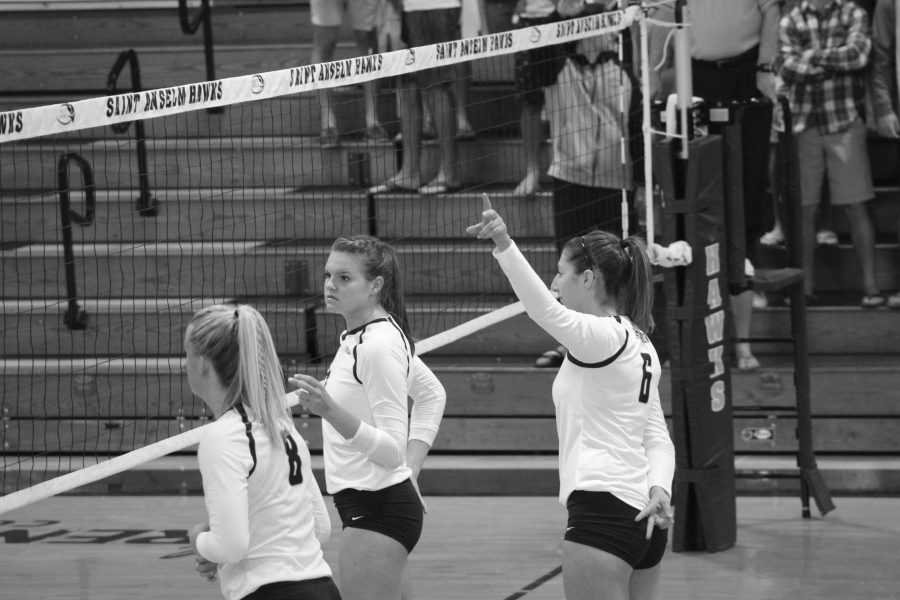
[123, 215]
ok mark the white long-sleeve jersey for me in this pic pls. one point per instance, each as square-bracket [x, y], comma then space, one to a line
[612, 433]
[266, 512]
[372, 375]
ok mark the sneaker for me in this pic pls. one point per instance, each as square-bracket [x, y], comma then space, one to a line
[772, 239]
[872, 301]
[826, 237]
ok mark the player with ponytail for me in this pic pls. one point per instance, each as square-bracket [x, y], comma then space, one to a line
[267, 519]
[373, 446]
[616, 459]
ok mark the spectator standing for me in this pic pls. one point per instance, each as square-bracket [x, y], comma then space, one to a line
[824, 46]
[535, 70]
[733, 45]
[326, 16]
[885, 76]
[427, 22]
[587, 127]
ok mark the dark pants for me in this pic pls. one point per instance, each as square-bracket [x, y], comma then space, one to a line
[737, 83]
[578, 209]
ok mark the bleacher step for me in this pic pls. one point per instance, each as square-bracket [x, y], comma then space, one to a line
[278, 161]
[244, 269]
[204, 215]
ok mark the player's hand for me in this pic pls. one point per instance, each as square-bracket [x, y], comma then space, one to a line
[491, 226]
[767, 85]
[311, 394]
[208, 570]
[888, 126]
[658, 512]
[415, 482]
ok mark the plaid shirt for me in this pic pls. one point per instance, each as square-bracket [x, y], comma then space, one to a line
[822, 57]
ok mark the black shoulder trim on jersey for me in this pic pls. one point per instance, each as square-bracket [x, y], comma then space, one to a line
[355, 375]
[362, 331]
[602, 363]
[364, 325]
[405, 343]
[243, 412]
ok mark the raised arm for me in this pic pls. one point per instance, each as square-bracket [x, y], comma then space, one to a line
[585, 335]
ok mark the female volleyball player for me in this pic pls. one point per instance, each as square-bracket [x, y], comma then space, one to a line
[616, 459]
[372, 448]
[266, 513]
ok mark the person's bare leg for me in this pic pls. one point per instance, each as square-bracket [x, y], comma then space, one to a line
[644, 583]
[440, 103]
[591, 574]
[406, 590]
[863, 236]
[371, 565]
[409, 110]
[532, 128]
[365, 43]
[808, 254]
[324, 42]
[742, 313]
[461, 95]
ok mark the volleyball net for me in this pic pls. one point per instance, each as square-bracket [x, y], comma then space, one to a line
[123, 215]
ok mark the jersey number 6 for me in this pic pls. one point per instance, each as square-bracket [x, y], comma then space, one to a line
[644, 394]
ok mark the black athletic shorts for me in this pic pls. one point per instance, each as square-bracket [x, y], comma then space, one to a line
[395, 511]
[312, 589]
[602, 521]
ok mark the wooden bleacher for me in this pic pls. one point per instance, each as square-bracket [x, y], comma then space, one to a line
[498, 435]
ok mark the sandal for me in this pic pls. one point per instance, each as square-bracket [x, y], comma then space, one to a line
[826, 237]
[872, 301]
[893, 301]
[551, 358]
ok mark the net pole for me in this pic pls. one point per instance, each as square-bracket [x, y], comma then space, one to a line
[118, 464]
[647, 131]
[683, 86]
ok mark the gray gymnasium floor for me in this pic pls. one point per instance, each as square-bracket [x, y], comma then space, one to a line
[473, 548]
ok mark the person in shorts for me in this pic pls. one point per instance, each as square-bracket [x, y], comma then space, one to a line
[824, 49]
[427, 22]
[536, 69]
[327, 19]
[616, 458]
[373, 446]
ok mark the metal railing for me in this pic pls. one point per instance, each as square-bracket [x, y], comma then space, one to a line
[75, 317]
[147, 205]
[190, 26]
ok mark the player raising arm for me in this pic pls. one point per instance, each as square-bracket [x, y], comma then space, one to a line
[616, 459]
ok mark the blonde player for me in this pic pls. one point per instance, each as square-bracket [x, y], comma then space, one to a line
[616, 460]
[373, 449]
[267, 517]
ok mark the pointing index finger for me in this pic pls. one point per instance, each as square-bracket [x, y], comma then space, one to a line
[486, 202]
